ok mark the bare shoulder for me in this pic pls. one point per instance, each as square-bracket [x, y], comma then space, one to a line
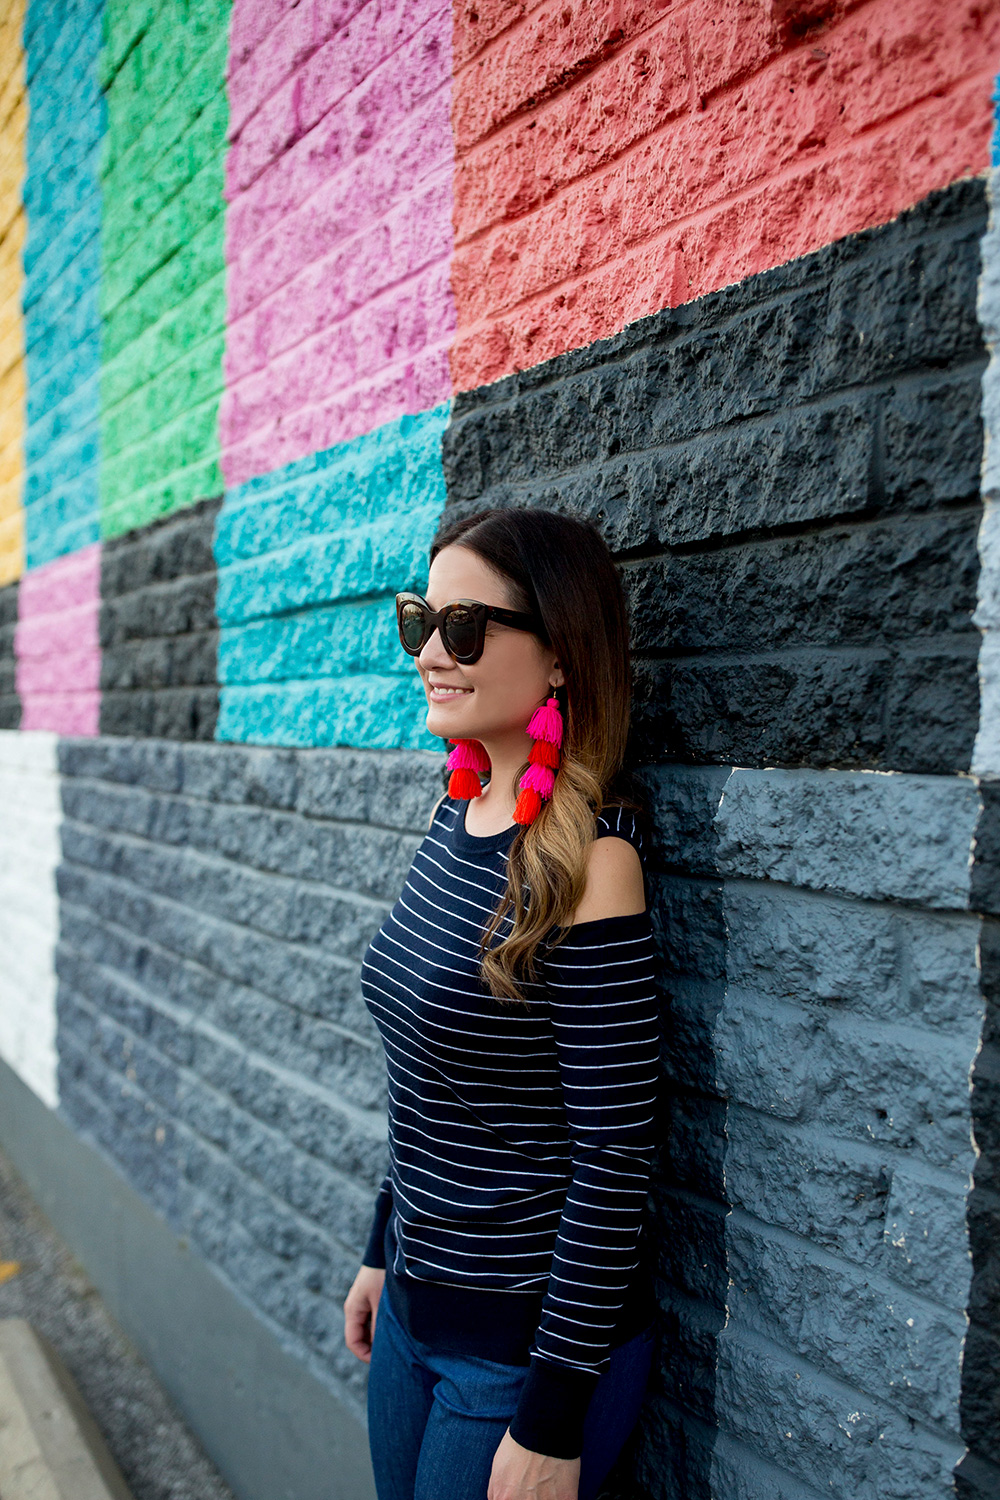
[614, 881]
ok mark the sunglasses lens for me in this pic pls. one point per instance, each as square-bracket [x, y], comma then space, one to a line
[461, 631]
[411, 626]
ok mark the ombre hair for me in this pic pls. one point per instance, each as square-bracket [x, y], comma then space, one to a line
[560, 568]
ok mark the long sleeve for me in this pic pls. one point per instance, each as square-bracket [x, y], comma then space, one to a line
[605, 1020]
[375, 1249]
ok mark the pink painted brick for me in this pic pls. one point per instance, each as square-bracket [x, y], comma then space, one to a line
[266, 68]
[338, 234]
[65, 713]
[324, 79]
[250, 24]
[387, 99]
[417, 233]
[57, 644]
[364, 190]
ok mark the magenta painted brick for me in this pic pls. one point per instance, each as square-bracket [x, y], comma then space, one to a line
[57, 644]
[338, 228]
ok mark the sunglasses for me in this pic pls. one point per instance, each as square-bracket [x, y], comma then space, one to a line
[462, 623]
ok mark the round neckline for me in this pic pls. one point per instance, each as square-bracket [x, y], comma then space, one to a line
[480, 842]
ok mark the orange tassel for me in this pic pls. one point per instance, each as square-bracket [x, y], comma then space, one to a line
[528, 805]
[464, 783]
[544, 753]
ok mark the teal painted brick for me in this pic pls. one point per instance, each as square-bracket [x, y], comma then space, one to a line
[309, 560]
[379, 713]
[333, 640]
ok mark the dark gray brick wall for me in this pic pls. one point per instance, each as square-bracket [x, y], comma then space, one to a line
[788, 472]
[215, 904]
[10, 703]
[159, 634]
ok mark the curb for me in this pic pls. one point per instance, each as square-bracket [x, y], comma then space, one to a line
[50, 1446]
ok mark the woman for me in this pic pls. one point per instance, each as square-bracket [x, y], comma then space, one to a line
[513, 988]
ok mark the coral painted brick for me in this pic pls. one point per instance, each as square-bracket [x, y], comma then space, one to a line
[690, 147]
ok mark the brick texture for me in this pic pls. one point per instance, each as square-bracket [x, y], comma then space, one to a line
[338, 226]
[10, 703]
[618, 158]
[309, 560]
[57, 646]
[215, 903]
[62, 263]
[791, 470]
[29, 909]
[13, 121]
[163, 267]
[159, 635]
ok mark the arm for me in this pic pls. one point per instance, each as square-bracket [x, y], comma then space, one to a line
[361, 1302]
[605, 1019]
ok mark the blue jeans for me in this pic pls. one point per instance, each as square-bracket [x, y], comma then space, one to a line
[435, 1421]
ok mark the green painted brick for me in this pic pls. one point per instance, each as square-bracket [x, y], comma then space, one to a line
[171, 493]
[181, 276]
[168, 340]
[169, 233]
[187, 440]
[189, 382]
[155, 169]
[164, 49]
[163, 264]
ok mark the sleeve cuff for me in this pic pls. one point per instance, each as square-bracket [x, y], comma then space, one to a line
[551, 1409]
[374, 1255]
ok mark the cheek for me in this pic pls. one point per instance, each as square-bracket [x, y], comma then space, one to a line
[510, 682]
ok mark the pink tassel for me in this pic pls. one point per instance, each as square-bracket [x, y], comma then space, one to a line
[546, 723]
[468, 755]
[540, 779]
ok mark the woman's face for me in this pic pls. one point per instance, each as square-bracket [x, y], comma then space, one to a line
[497, 694]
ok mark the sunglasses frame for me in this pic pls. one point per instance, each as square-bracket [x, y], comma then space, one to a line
[437, 619]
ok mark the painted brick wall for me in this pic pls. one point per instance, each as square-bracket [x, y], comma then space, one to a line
[62, 262]
[617, 158]
[309, 559]
[789, 472]
[299, 281]
[29, 916]
[338, 227]
[10, 704]
[13, 119]
[215, 904]
[163, 270]
[57, 646]
[159, 637]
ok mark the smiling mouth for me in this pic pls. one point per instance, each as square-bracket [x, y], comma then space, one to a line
[450, 692]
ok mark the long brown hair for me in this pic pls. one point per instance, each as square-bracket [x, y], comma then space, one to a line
[560, 568]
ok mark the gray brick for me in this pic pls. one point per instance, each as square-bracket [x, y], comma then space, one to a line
[903, 838]
[827, 1433]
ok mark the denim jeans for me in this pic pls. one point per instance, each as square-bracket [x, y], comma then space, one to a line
[435, 1421]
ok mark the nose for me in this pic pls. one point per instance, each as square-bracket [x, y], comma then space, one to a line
[434, 654]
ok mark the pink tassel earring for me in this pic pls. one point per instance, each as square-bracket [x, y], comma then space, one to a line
[535, 787]
[467, 758]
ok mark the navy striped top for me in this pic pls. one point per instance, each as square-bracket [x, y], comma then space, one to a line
[520, 1139]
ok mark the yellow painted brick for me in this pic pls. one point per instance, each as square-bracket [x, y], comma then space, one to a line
[11, 547]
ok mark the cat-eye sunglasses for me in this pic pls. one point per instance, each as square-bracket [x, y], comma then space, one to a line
[462, 623]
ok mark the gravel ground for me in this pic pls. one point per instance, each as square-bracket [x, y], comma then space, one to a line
[40, 1281]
